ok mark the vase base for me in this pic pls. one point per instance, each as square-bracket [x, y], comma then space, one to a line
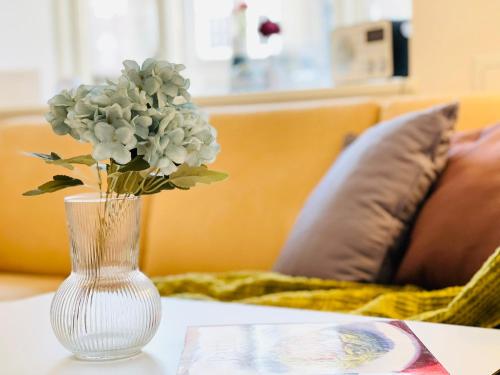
[108, 356]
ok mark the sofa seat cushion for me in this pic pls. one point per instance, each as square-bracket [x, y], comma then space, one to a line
[19, 285]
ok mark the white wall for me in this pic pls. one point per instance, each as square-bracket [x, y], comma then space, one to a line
[456, 46]
[26, 48]
[348, 12]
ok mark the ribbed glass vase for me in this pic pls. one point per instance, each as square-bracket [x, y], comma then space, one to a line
[106, 308]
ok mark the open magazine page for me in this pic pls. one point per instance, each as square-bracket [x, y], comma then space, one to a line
[379, 347]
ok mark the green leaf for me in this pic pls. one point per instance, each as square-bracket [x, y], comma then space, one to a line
[186, 177]
[133, 182]
[111, 167]
[137, 183]
[81, 159]
[136, 164]
[125, 182]
[58, 182]
[44, 157]
[53, 158]
[155, 184]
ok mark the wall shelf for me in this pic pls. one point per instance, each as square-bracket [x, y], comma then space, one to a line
[394, 86]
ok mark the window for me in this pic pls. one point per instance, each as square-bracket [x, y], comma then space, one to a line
[298, 57]
[257, 12]
[207, 35]
[212, 29]
[118, 30]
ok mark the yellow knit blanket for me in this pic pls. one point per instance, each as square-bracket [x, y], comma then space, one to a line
[475, 304]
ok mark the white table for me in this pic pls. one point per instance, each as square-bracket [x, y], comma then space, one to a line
[28, 346]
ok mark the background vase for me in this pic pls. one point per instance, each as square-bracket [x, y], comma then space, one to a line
[106, 308]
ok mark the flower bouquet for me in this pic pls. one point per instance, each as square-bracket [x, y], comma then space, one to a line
[146, 137]
[145, 133]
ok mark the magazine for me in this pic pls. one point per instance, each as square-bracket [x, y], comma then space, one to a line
[366, 347]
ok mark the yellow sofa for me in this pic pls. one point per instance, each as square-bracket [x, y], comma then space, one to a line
[274, 158]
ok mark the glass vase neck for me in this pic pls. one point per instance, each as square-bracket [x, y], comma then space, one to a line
[104, 232]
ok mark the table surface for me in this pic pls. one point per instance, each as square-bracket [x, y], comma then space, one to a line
[28, 346]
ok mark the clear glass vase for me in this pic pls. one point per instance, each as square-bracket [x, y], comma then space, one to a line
[106, 308]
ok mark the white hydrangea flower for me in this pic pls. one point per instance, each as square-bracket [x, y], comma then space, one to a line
[201, 138]
[113, 142]
[147, 111]
[124, 93]
[160, 79]
[113, 137]
[60, 107]
[182, 136]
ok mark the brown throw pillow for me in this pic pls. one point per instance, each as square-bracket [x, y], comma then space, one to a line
[353, 224]
[458, 228]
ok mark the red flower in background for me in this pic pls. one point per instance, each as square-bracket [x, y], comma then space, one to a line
[268, 28]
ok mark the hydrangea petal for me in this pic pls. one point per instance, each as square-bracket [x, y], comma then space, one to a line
[208, 152]
[170, 90]
[166, 73]
[179, 100]
[102, 151]
[102, 100]
[124, 134]
[89, 136]
[139, 107]
[165, 121]
[176, 136]
[178, 80]
[192, 159]
[168, 168]
[131, 65]
[163, 143]
[144, 121]
[176, 153]
[163, 163]
[162, 99]
[104, 132]
[148, 65]
[60, 129]
[152, 85]
[114, 112]
[120, 123]
[120, 153]
[61, 100]
[142, 132]
[185, 94]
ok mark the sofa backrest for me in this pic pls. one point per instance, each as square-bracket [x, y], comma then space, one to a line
[32, 229]
[274, 160]
[476, 111]
[33, 235]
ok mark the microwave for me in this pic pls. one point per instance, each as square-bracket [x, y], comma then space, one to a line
[371, 50]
